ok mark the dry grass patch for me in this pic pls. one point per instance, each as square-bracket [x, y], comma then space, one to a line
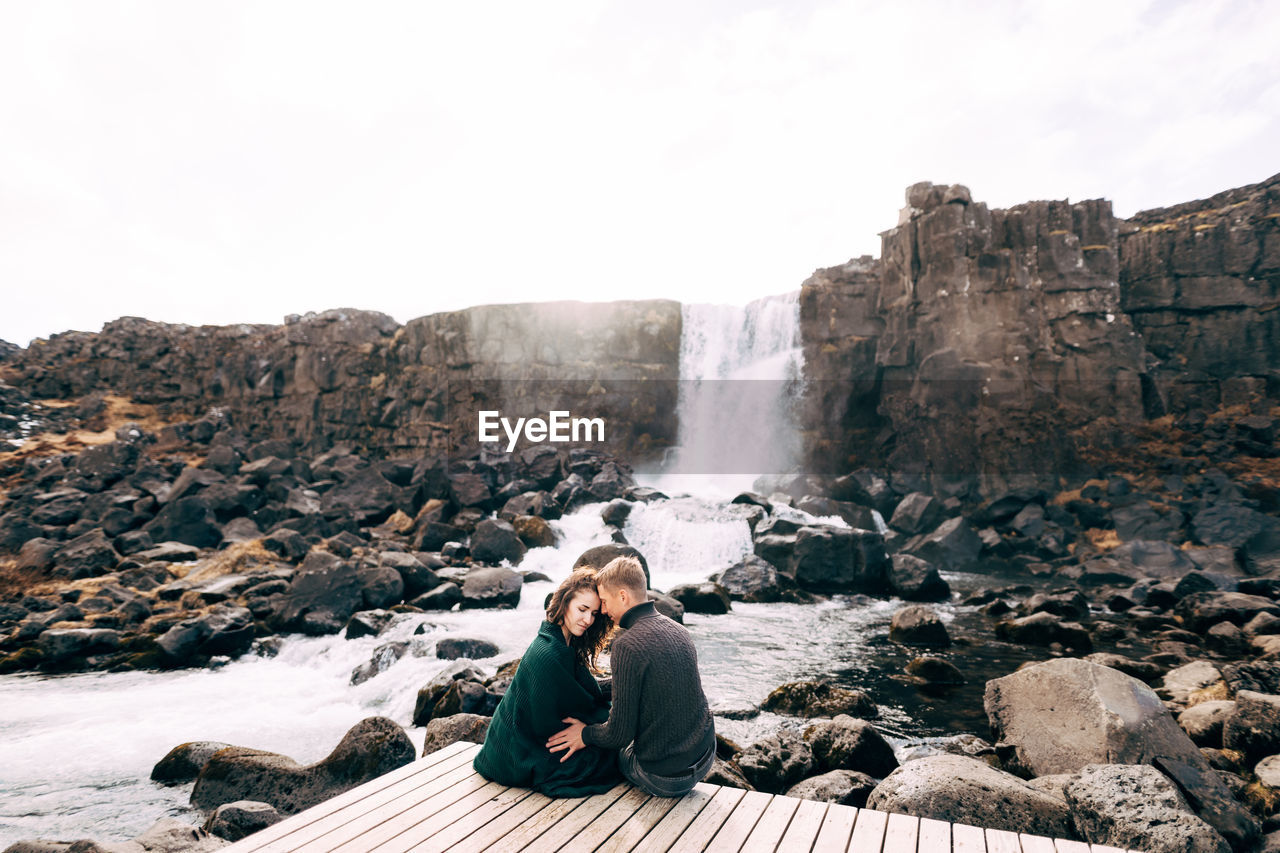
[239, 558]
[1103, 540]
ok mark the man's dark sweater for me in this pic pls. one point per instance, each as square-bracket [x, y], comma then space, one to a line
[657, 695]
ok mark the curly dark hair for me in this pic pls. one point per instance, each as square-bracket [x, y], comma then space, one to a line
[588, 647]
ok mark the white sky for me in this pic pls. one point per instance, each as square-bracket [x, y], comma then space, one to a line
[239, 161]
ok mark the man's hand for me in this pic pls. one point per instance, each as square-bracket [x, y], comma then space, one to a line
[568, 739]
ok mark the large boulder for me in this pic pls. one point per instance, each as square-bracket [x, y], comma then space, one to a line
[184, 762]
[776, 762]
[845, 743]
[835, 559]
[915, 580]
[953, 546]
[322, 596]
[819, 699]
[88, 555]
[918, 625]
[189, 520]
[599, 556]
[367, 496]
[705, 597]
[442, 731]
[960, 789]
[223, 630]
[241, 819]
[751, 579]
[494, 541]
[1254, 727]
[1061, 715]
[846, 787]
[1202, 610]
[1137, 807]
[372, 747]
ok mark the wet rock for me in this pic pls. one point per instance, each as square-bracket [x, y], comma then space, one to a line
[918, 625]
[1199, 611]
[430, 695]
[599, 556]
[953, 546]
[322, 596]
[1067, 603]
[534, 531]
[416, 576]
[728, 775]
[494, 541]
[616, 512]
[491, 587]
[1137, 806]
[913, 579]
[751, 579]
[453, 648]
[819, 699]
[960, 789]
[183, 763]
[934, 671]
[1254, 728]
[706, 597]
[443, 731]
[59, 645]
[776, 762]
[1061, 715]
[667, 606]
[442, 597]
[831, 559]
[1042, 629]
[368, 623]
[167, 835]
[846, 743]
[1204, 722]
[223, 630]
[846, 787]
[241, 819]
[372, 747]
[382, 659]
[380, 587]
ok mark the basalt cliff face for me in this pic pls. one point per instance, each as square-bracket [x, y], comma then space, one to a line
[359, 377]
[1000, 348]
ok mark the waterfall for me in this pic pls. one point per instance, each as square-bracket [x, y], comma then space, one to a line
[740, 373]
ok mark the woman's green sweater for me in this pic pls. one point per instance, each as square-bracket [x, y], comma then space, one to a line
[549, 685]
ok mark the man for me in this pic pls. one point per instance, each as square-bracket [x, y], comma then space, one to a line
[659, 722]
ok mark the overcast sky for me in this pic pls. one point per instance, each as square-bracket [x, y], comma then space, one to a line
[237, 162]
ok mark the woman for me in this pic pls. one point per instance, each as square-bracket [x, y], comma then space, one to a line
[554, 681]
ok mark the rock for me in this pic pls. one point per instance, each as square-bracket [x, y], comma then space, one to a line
[776, 762]
[1184, 685]
[372, 747]
[241, 819]
[443, 597]
[1142, 670]
[667, 606]
[1231, 525]
[168, 552]
[367, 496]
[599, 556]
[380, 586]
[453, 648]
[705, 597]
[382, 659]
[1136, 806]
[1061, 715]
[464, 697]
[1225, 639]
[954, 546]
[918, 625]
[1141, 521]
[934, 670]
[443, 731]
[88, 555]
[534, 531]
[845, 743]
[183, 763]
[1254, 728]
[1204, 722]
[728, 775]
[494, 541]
[846, 787]
[59, 645]
[915, 513]
[1067, 603]
[819, 699]
[189, 520]
[1268, 771]
[913, 579]
[1153, 558]
[751, 579]
[223, 630]
[1043, 629]
[833, 559]
[416, 575]
[960, 789]
[322, 596]
[431, 695]
[491, 587]
[289, 544]
[1199, 611]
[368, 623]
[615, 512]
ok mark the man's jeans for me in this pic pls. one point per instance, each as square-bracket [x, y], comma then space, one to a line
[662, 786]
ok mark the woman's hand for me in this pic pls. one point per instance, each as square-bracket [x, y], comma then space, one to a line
[568, 739]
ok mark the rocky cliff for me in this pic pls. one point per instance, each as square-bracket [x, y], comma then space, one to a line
[359, 377]
[998, 348]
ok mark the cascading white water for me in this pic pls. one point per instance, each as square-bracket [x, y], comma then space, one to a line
[740, 370]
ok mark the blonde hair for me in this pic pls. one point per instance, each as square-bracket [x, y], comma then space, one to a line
[624, 573]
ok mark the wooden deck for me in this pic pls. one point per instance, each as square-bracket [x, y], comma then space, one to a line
[438, 803]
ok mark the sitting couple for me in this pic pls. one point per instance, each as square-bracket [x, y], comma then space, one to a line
[659, 734]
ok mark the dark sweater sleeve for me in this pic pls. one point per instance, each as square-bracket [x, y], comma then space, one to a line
[620, 729]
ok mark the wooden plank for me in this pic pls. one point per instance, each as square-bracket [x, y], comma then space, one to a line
[803, 830]
[901, 833]
[1035, 843]
[935, 836]
[587, 827]
[772, 825]
[639, 825]
[676, 821]
[967, 839]
[710, 819]
[837, 827]
[531, 827]
[316, 821]
[479, 820]
[433, 764]
[475, 839]
[555, 836]
[1003, 841]
[868, 832]
[363, 831]
[1062, 845]
[735, 830]
[462, 812]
